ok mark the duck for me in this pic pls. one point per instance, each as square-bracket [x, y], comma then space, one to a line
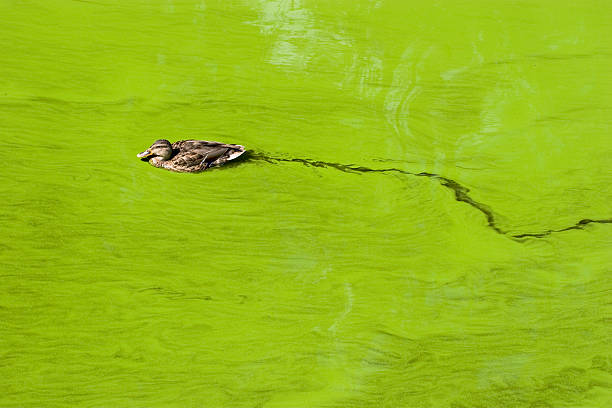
[190, 156]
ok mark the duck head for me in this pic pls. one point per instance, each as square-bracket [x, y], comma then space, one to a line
[161, 149]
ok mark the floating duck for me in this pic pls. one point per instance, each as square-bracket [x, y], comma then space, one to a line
[190, 156]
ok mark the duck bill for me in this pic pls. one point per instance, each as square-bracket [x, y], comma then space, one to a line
[144, 154]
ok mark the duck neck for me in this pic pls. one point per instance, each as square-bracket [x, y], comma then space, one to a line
[157, 161]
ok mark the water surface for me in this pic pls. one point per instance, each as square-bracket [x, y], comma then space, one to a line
[301, 281]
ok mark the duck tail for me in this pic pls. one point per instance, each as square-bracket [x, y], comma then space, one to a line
[238, 150]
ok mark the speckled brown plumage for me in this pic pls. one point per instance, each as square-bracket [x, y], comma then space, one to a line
[190, 156]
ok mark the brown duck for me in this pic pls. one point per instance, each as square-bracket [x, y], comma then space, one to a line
[190, 156]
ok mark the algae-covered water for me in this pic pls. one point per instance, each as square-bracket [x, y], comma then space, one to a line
[423, 221]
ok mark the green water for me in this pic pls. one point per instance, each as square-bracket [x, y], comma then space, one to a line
[279, 284]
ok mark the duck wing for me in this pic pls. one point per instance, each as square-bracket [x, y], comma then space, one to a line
[187, 159]
[195, 155]
[204, 146]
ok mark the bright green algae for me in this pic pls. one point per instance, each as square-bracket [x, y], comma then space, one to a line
[282, 285]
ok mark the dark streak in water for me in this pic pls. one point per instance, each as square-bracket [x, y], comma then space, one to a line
[578, 226]
[460, 191]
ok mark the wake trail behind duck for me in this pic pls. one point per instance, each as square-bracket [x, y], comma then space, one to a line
[460, 192]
